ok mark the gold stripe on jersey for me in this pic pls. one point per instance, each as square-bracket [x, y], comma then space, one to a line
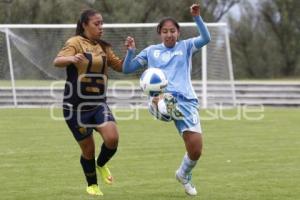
[79, 44]
[93, 70]
[92, 89]
[86, 80]
[100, 81]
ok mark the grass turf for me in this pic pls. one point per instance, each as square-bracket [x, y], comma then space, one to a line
[242, 159]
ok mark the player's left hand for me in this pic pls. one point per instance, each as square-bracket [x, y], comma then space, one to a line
[195, 9]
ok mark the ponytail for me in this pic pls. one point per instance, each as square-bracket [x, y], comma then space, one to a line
[84, 19]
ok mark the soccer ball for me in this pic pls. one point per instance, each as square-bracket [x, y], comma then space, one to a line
[153, 81]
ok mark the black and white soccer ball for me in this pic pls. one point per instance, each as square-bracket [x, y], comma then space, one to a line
[153, 81]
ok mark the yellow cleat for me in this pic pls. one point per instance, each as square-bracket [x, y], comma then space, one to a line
[94, 190]
[105, 174]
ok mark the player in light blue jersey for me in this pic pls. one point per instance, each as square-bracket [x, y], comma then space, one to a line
[174, 58]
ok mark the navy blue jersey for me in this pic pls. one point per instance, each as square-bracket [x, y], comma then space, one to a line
[86, 83]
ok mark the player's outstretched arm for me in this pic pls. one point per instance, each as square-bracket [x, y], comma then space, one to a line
[204, 37]
[130, 65]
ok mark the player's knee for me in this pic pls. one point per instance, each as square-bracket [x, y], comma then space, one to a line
[198, 153]
[88, 153]
[112, 141]
[195, 154]
[87, 148]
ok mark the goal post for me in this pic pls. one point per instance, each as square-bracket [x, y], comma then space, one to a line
[11, 68]
[27, 51]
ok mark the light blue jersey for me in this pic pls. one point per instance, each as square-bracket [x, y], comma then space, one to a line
[175, 62]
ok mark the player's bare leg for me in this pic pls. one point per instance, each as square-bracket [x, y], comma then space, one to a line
[87, 161]
[110, 136]
[193, 143]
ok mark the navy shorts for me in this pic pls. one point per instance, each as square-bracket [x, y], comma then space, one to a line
[82, 123]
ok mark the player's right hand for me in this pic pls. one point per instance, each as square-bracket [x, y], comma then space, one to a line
[129, 43]
[78, 58]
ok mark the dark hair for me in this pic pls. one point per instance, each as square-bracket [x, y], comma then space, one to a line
[84, 18]
[163, 21]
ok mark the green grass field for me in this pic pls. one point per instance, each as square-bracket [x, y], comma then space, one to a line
[242, 159]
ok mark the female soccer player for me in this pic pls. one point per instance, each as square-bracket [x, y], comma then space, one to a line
[86, 59]
[174, 57]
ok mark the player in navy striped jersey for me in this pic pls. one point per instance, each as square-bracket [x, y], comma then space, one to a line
[86, 59]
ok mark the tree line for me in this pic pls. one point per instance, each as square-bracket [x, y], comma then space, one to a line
[265, 35]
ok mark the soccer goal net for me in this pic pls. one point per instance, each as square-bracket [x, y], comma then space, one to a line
[27, 53]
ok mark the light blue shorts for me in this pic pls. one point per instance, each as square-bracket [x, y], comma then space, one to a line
[191, 119]
[190, 111]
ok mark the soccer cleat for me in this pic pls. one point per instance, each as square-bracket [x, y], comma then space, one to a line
[172, 107]
[154, 111]
[186, 182]
[105, 174]
[94, 190]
